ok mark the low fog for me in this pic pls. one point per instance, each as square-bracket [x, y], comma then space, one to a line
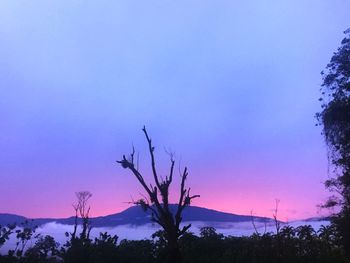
[133, 232]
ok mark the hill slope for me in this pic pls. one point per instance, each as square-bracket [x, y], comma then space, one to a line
[136, 216]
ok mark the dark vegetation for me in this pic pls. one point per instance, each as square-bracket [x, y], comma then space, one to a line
[175, 244]
[301, 244]
[335, 120]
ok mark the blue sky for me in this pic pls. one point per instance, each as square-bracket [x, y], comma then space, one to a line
[230, 86]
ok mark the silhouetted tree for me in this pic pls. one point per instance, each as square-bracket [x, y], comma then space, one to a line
[81, 210]
[84, 209]
[105, 249]
[24, 235]
[5, 233]
[299, 245]
[45, 249]
[140, 251]
[78, 248]
[335, 119]
[158, 199]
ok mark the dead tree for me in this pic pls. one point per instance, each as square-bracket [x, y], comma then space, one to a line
[257, 233]
[157, 200]
[278, 228]
[275, 217]
[82, 211]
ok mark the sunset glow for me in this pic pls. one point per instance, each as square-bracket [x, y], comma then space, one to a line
[232, 88]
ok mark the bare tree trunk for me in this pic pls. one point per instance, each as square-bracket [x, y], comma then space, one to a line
[174, 255]
[158, 200]
[81, 209]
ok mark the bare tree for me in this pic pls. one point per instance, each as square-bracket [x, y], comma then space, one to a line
[254, 225]
[157, 199]
[278, 228]
[275, 217]
[82, 210]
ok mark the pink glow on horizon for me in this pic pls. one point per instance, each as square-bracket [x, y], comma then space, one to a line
[240, 190]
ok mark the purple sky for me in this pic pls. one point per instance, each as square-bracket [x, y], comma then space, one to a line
[230, 86]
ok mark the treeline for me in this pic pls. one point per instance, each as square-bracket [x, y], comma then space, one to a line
[301, 244]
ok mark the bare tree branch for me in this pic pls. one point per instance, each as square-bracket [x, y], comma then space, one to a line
[160, 211]
[151, 151]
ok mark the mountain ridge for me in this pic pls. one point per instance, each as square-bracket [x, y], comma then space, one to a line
[134, 215]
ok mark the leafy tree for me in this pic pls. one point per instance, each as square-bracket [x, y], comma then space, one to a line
[158, 202]
[209, 232]
[105, 249]
[24, 235]
[5, 233]
[138, 251]
[335, 119]
[300, 245]
[45, 249]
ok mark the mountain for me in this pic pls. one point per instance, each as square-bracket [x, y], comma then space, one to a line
[136, 216]
[9, 219]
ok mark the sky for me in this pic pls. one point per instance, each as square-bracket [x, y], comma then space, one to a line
[231, 87]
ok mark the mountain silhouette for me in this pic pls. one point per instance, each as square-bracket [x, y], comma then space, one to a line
[136, 216]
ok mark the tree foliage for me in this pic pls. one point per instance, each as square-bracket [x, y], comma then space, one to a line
[335, 119]
[299, 245]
